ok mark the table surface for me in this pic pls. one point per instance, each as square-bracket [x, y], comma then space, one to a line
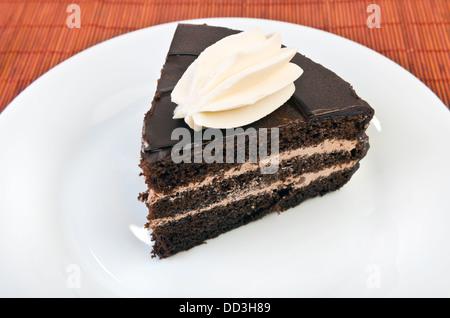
[34, 34]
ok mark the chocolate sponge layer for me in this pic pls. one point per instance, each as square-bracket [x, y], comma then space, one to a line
[219, 188]
[164, 175]
[185, 233]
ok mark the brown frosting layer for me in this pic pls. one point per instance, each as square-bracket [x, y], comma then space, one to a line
[319, 92]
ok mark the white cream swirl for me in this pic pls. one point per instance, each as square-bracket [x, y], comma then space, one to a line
[236, 81]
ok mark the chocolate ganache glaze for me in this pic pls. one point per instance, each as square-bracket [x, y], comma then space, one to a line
[318, 92]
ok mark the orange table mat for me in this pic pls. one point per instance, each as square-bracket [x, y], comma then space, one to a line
[34, 35]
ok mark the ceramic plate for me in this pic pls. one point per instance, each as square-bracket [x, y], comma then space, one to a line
[71, 224]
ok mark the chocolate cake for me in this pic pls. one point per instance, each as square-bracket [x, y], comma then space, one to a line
[321, 140]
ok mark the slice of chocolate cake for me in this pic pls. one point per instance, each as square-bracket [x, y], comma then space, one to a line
[316, 140]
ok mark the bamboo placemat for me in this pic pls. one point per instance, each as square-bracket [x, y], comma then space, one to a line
[34, 35]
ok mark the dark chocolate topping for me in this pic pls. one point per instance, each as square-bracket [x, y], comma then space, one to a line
[319, 91]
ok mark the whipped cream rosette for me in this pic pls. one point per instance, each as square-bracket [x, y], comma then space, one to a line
[236, 81]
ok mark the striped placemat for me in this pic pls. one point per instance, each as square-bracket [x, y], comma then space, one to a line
[35, 36]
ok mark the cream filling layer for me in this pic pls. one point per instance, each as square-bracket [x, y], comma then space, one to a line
[328, 146]
[296, 182]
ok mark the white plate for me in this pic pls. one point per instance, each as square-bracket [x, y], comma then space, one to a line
[71, 224]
